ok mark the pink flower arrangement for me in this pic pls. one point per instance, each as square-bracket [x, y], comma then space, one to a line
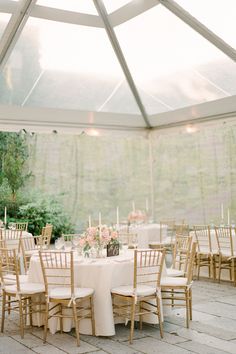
[137, 216]
[98, 237]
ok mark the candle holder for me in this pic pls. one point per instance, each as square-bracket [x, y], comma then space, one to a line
[222, 223]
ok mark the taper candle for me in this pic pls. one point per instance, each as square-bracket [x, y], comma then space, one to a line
[5, 216]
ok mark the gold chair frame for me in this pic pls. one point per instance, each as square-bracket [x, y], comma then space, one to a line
[227, 255]
[148, 265]
[58, 270]
[9, 269]
[204, 255]
[181, 293]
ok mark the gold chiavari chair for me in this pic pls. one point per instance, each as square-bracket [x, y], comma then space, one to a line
[132, 300]
[16, 295]
[180, 258]
[61, 291]
[182, 229]
[30, 246]
[227, 255]
[180, 288]
[46, 235]
[23, 226]
[11, 238]
[205, 254]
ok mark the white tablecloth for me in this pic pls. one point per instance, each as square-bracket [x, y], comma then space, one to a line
[148, 233]
[100, 274]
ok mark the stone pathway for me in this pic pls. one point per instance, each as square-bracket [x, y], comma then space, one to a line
[213, 331]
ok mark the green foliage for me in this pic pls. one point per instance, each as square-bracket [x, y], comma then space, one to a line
[6, 201]
[46, 211]
[13, 156]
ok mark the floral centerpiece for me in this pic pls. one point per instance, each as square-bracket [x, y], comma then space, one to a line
[97, 238]
[137, 216]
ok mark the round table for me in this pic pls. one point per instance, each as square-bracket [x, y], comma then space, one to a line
[102, 275]
[148, 233]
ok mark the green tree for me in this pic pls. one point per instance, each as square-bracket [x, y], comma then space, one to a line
[14, 154]
[3, 150]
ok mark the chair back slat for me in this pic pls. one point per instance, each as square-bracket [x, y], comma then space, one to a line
[224, 239]
[148, 265]
[203, 237]
[58, 269]
[182, 229]
[181, 252]
[21, 226]
[29, 246]
[9, 267]
[46, 235]
[11, 239]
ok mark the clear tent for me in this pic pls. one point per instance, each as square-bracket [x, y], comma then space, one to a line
[116, 63]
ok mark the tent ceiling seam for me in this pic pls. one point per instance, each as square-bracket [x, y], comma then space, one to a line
[199, 27]
[119, 54]
[14, 29]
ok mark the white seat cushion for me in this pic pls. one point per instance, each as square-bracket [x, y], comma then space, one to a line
[204, 250]
[128, 290]
[10, 279]
[171, 272]
[166, 241]
[173, 281]
[26, 288]
[65, 292]
[31, 252]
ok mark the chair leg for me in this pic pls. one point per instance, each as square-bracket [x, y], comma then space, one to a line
[21, 311]
[230, 271]
[190, 305]
[140, 317]
[76, 323]
[219, 265]
[61, 319]
[46, 322]
[9, 305]
[212, 267]
[3, 310]
[187, 307]
[172, 298]
[159, 315]
[30, 311]
[209, 265]
[233, 271]
[198, 266]
[132, 321]
[92, 315]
